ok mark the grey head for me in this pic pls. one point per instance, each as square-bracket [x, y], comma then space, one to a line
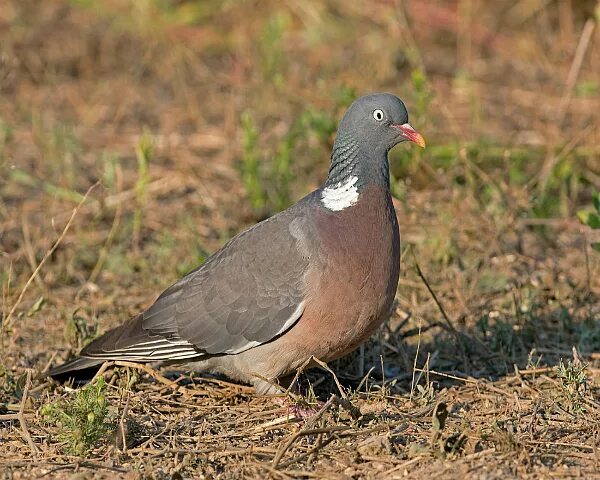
[370, 128]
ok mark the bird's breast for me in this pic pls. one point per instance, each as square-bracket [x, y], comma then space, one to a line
[353, 279]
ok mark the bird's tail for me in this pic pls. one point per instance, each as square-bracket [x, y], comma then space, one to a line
[80, 369]
[129, 341]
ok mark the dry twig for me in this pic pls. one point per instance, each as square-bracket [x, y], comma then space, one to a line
[7, 321]
[24, 431]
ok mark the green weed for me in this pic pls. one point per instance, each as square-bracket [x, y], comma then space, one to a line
[589, 336]
[561, 189]
[268, 181]
[36, 307]
[423, 94]
[406, 161]
[270, 47]
[440, 445]
[344, 95]
[60, 148]
[120, 261]
[82, 421]
[250, 168]
[6, 136]
[574, 382]
[78, 333]
[502, 434]
[592, 218]
[281, 174]
[166, 246]
[110, 167]
[533, 362]
[500, 336]
[318, 124]
[150, 18]
[8, 384]
[587, 89]
[144, 152]
[24, 178]
[423, 394]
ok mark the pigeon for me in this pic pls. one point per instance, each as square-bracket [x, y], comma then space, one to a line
[311, 282]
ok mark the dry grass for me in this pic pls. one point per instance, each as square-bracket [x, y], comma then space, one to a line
[200, 118]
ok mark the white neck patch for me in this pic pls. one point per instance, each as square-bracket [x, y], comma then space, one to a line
[341, 195]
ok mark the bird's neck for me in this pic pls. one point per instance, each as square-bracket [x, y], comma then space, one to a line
[350, 159]
[354, 168]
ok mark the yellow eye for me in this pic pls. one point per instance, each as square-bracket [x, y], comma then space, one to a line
[378, 114]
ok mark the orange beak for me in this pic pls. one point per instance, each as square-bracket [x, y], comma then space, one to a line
[411, 134]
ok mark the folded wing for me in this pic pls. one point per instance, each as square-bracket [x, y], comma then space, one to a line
[246, 294]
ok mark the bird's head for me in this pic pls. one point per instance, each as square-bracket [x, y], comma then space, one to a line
[379, 121]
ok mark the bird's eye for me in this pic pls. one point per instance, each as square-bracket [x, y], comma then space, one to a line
[378, 114]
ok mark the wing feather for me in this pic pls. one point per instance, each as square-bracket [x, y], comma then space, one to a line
[248, 293]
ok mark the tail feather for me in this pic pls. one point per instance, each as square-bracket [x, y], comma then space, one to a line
[129, 341]
[80, 369]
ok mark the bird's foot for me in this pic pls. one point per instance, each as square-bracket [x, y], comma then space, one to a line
[300, 408]
[305, 410]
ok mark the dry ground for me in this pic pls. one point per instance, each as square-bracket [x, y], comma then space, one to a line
[199, 119]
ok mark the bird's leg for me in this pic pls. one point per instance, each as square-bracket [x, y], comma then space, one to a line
[298, 407]
[300, 402]
[286, 393]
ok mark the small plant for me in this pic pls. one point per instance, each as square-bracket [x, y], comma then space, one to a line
[423, 95]
[317, 123]
[502, 434]
[6, 136]
[589, 336]
[268, 179]
[271, 47]
[440, 445]
[592, 219]
[281, 173]
[344, 95]
[250, 171]
[144, 152]
[110, 170]
[423, 394]
[7, 382]
[408, 160]
[77, 331]
[499, 335]
[59, 147]
[533, 361]
[82, 421]
[572, 376]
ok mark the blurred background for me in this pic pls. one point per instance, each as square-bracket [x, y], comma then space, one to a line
[200, 118]
[185, 122]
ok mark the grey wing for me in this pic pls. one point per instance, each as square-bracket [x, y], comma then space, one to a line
[248, 293]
